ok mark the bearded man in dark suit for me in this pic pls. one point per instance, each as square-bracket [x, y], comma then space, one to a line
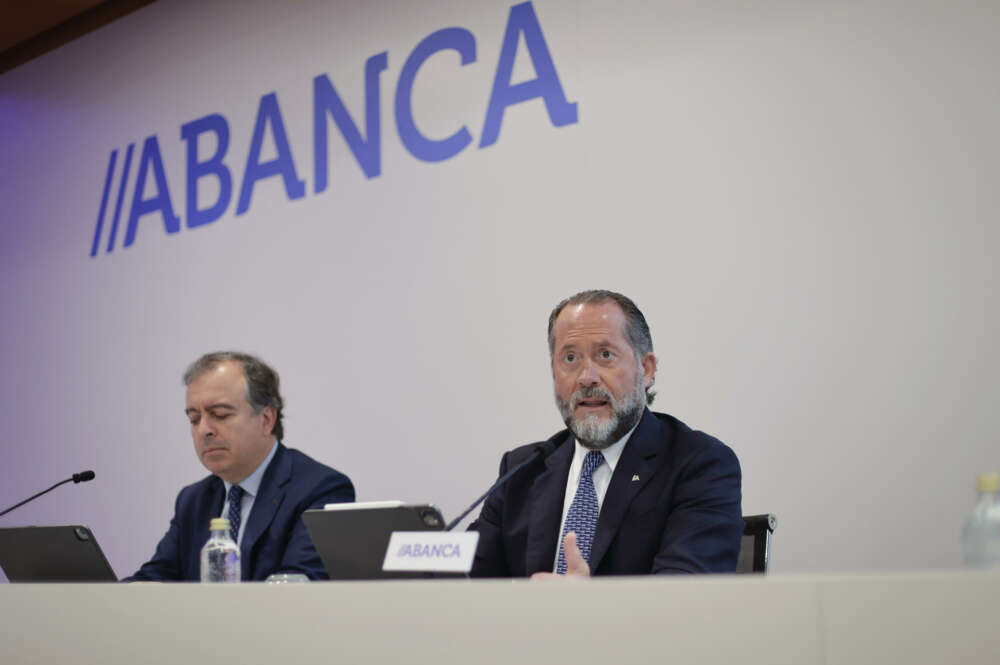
[627, 490]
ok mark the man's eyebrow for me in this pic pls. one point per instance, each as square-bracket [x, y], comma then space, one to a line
[609, 341]
[573, 344]
[219, 405]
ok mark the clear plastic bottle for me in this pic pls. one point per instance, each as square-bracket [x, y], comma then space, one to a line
[220, 557]
[981, 533]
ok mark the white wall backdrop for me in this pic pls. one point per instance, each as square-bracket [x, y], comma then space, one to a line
[801, 196]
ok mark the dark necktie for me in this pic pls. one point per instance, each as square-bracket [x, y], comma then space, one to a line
[235, 511]
[582, 515]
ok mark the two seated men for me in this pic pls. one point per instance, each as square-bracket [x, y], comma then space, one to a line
[626, 491]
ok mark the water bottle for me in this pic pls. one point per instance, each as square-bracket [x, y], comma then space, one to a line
[220, 557]
[981, 533]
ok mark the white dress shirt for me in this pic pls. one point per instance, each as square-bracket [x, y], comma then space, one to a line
[602, 478]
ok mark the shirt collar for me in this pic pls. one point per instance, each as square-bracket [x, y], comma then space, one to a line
[611, 454]
[251, 483]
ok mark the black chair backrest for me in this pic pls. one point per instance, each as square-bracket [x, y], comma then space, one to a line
[755, 550]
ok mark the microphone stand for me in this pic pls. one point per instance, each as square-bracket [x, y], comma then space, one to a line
[541, 450]
[77, 478]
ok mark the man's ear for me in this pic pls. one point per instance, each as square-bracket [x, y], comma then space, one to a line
[268, 417]
[649, 370]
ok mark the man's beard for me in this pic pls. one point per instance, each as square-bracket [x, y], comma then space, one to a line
[596, 433]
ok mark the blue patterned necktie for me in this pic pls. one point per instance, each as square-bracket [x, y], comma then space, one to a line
[235, 511]
[582, 515]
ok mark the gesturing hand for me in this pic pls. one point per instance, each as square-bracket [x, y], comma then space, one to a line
[576, 565]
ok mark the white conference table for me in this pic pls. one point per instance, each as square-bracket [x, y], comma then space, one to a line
[914, 618]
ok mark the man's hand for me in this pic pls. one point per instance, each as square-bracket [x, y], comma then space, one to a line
[576, 565]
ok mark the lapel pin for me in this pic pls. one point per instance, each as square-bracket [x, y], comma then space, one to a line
[635, 477]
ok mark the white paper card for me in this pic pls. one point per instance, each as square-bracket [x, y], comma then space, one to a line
[431, 551]
[361, 505]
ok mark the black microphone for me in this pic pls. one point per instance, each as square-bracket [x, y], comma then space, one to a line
[541, 451]
[81, 477]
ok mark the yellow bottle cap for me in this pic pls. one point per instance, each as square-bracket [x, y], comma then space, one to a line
[219, 524]
[988, 482]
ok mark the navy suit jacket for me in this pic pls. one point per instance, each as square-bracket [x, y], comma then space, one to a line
[673, 506]
[274, 540]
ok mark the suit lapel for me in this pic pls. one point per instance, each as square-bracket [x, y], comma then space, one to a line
[270, 494]
[638, 460]
[546, 500]
[212, 506]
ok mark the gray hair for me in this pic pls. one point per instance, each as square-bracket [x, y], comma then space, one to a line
[636, 328]
[262, 382]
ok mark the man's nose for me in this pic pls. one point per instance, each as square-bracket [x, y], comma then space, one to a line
[204, 429]
[588, 375]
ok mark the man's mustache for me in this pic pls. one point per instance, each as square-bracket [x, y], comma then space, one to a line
[592, 392]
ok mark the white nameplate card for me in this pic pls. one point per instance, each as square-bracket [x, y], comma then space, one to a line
[361, 505]
[431, 551]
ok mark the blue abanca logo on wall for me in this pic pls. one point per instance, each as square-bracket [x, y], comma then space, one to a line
[327, 105]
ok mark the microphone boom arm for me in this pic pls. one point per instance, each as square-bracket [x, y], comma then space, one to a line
[541, 450]
[81, 477]
[63, 482]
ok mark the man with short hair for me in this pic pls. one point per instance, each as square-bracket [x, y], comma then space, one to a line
[262, 487]
[626, 491]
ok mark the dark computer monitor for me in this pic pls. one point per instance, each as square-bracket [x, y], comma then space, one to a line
[351, 538]
[53, 554]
